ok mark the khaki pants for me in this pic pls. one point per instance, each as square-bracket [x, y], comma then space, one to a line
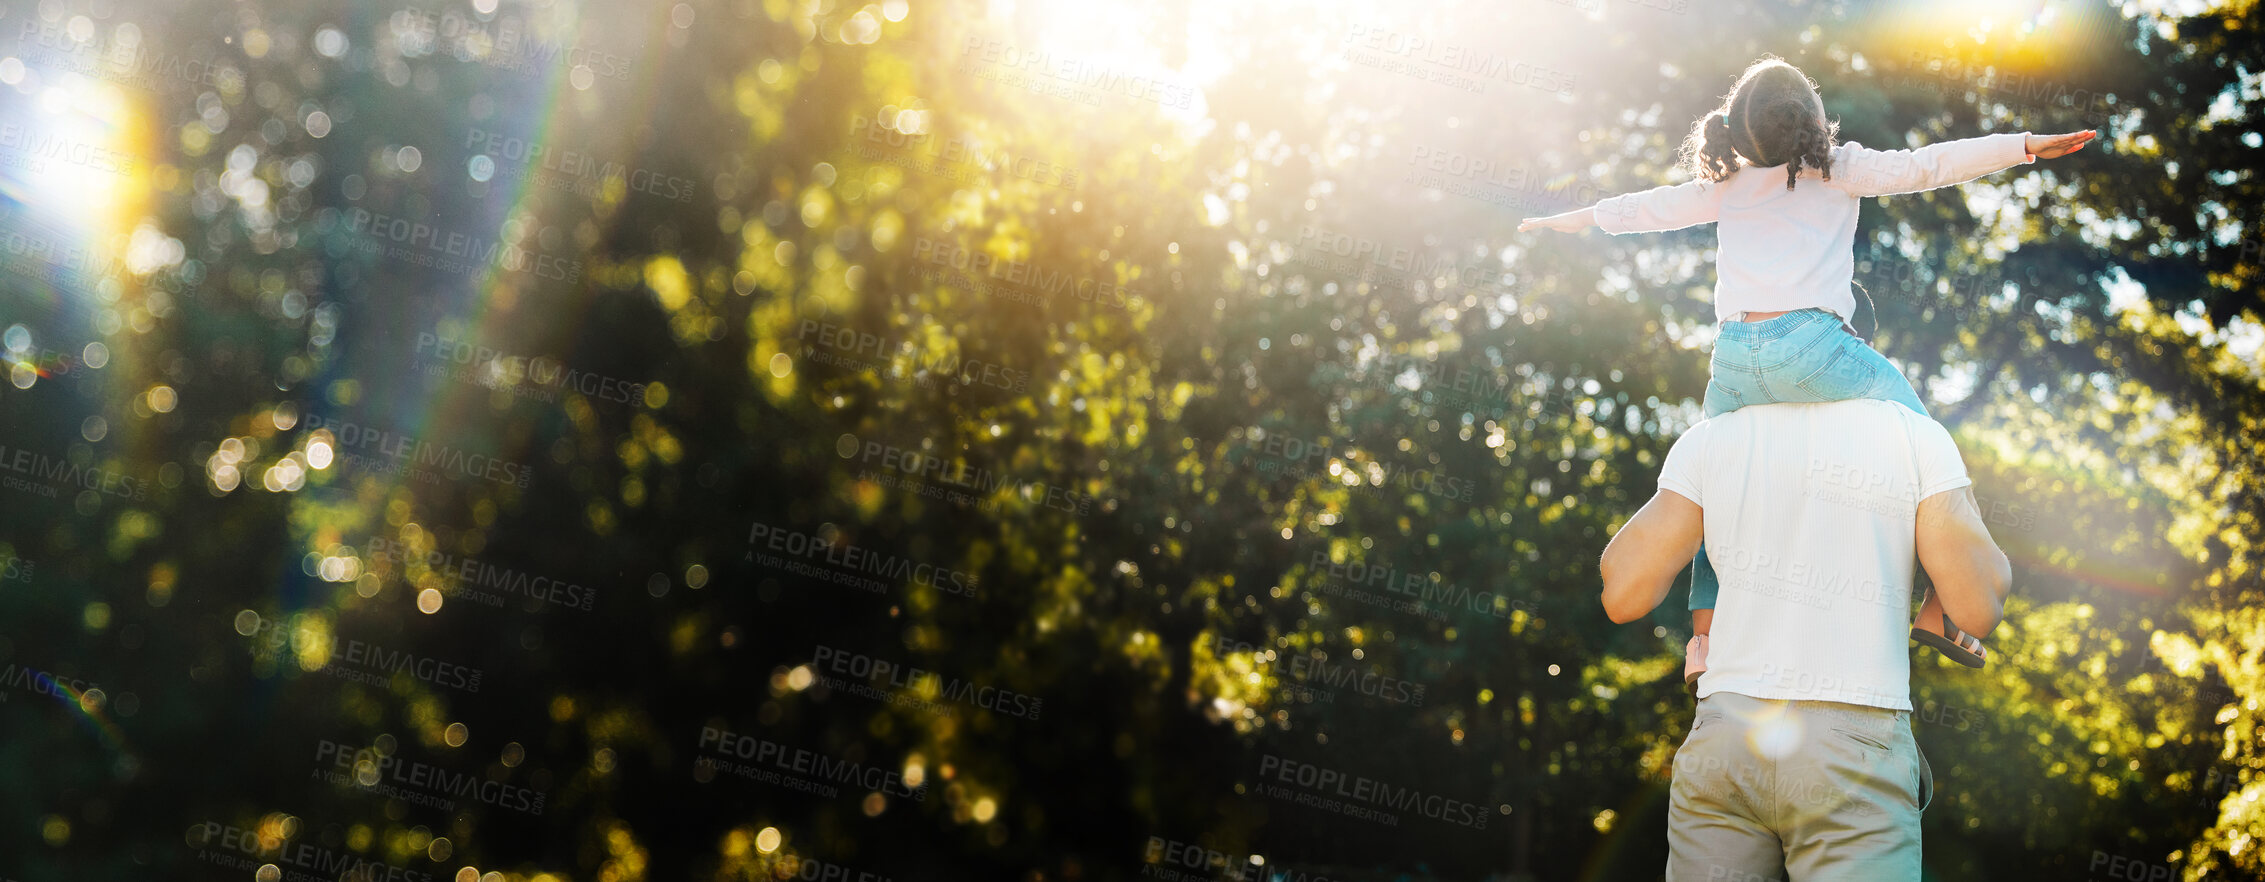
[1769, 789]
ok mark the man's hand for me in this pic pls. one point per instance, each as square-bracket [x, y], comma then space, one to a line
[1570, 222]
[2057, 146]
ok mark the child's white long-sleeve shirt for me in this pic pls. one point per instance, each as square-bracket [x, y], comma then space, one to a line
[1785, 249]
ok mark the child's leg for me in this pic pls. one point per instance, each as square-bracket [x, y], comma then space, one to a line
[1721, 399]
[1825, 362]
[1723, 396]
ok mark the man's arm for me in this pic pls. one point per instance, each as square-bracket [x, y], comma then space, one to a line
[1642, 559]
[1971, 575]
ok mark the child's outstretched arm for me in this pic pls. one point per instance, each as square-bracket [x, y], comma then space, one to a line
[1652, 211]
[2057, 146]
[1575, 221]
[1862, 171]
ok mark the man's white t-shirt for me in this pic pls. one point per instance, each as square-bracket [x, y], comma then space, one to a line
[1811, 512]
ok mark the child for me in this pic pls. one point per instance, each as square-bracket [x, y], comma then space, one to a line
[1787, 260]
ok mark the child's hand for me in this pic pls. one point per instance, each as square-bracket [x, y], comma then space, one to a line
[1569, 222]
[2056, 146]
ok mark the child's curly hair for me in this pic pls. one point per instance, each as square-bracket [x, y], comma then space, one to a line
[1774, 116]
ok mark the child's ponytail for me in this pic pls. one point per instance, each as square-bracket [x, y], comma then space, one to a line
[1708, 151]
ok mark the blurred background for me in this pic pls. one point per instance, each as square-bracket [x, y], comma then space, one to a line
[797, 439]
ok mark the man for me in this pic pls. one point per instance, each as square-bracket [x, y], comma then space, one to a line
[1800, 757]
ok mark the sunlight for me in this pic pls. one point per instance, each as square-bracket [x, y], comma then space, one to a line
[63, 148]
[1082, 44]
[74, 169]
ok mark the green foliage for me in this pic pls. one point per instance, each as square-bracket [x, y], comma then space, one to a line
[1174, 467]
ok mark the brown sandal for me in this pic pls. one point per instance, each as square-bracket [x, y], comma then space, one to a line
[1935, 629]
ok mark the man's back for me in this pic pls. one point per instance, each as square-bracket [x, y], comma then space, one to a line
[1800, 763]
[1809, 515]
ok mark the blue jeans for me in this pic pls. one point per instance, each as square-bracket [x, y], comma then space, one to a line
[1801, 356]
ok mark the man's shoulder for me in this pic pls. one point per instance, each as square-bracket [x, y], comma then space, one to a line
[1856, 423]
[1852, 422]
[1859, 410]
